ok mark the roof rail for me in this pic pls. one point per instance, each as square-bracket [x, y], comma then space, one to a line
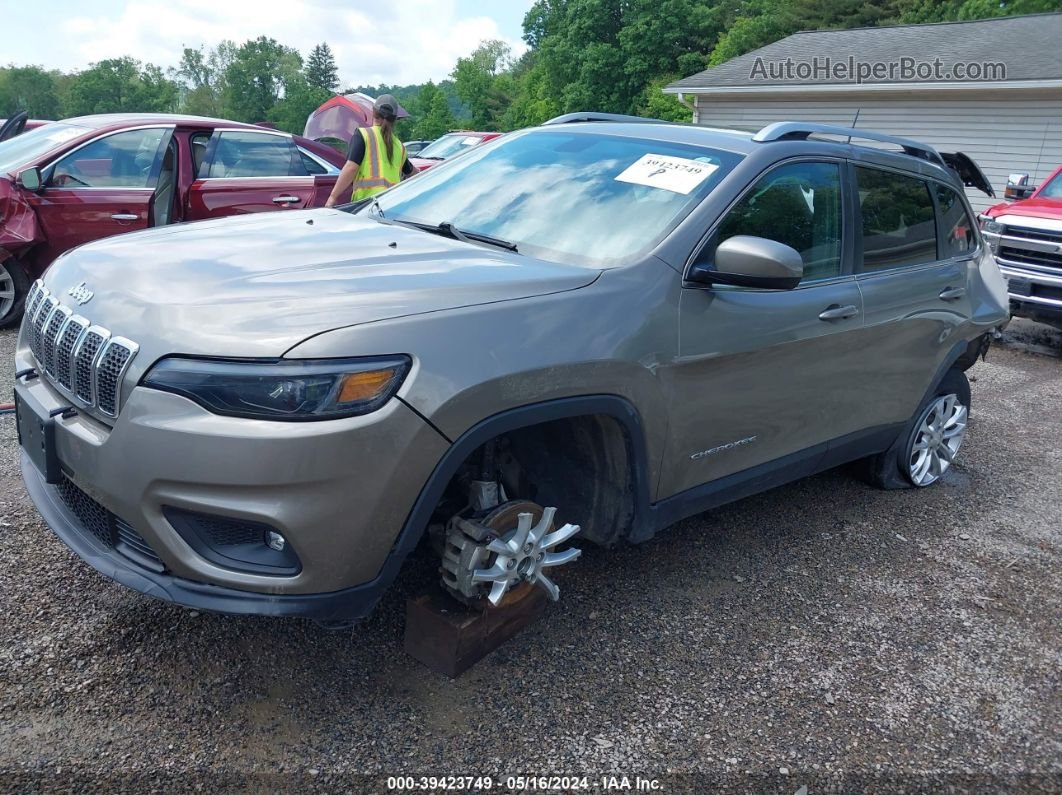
[801, 131]
[569, 118]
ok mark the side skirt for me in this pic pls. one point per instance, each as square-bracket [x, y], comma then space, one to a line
[772, 474]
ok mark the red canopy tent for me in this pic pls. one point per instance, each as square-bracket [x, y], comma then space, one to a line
[340, 116]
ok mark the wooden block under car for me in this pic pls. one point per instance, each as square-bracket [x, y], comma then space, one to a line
[449, 638]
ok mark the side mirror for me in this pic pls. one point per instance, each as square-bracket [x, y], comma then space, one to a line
[1018, 187]
[746, 261]
[30, 179]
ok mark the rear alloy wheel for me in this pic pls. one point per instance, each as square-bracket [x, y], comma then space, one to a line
[931, 439]
[937, 439]
[14, 284]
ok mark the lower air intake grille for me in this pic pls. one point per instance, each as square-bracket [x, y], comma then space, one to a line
[108, 528]
[229, 533]
[95, 518]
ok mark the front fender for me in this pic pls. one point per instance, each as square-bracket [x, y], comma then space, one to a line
[18, 223]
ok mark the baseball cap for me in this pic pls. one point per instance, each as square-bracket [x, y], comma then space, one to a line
[386, 106]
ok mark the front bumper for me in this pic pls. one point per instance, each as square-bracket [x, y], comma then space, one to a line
[1029, 258]
[339, 491]
[350, 604]
[1032, 293]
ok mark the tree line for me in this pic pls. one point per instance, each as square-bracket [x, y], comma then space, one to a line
[605, 55]
[617, 55]
[259, 80]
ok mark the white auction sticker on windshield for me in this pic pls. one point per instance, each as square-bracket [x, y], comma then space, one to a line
[676, 174]
[471, 140]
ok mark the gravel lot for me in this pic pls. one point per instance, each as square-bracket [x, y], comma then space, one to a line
[825, 635]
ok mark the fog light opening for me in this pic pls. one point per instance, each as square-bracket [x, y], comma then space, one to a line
[275, 540]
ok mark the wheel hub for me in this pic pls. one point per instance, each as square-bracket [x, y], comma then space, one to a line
[7, 291]
[509, 547]
[938, 439]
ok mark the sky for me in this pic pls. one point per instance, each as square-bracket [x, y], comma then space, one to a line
[397, 42]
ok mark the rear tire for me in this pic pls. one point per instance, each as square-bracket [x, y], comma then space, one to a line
[14, 284]
[923, 451]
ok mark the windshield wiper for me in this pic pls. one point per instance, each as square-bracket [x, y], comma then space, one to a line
[465, 235]
[449, 230]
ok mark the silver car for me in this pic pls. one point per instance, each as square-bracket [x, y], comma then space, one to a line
[587, 330]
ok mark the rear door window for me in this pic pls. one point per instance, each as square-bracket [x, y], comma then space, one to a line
[957, 236]
[898, 224]
[252, 154]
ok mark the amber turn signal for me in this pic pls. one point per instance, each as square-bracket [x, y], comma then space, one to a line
[364, 386]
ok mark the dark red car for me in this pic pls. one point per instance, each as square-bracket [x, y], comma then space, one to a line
[449, 145]
[18, 124]
[72, 181]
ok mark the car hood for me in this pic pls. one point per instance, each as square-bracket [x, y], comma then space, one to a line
[1029, 208]
[260, 284]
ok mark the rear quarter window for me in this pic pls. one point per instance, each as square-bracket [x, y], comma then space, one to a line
[957, 236]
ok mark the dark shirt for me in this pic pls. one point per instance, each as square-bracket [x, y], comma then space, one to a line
[356, 153]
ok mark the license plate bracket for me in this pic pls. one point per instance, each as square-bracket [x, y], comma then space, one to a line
[36, 434]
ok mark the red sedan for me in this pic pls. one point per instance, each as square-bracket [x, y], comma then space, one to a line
[72, 181]
[18, 124]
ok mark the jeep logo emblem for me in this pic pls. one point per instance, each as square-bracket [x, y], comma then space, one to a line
[81, 293]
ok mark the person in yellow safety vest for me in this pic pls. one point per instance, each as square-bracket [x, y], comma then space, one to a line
[376, 159]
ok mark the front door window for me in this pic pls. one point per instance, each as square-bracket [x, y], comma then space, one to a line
[124, 160]
[798, 204]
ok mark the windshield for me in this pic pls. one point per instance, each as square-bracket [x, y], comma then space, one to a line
[22, 149]
[1053, 189]
[568, 196]
[449, 145]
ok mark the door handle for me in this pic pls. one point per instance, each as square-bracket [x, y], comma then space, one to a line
[125, 217]
[952, 293]
[285, 199]
[838, 312]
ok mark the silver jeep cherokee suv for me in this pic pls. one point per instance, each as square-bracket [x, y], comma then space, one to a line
[601, 321]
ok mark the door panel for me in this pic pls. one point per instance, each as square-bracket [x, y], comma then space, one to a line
[762, 374]
[910, 328]
[99, 189]
[759, 376]
[69, 218]
[216, 198]
[248, 171]
[914, 246]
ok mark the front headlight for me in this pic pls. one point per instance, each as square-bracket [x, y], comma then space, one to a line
[283, 389]
[990, 226]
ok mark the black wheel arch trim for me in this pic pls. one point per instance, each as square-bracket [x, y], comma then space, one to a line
[614, 406]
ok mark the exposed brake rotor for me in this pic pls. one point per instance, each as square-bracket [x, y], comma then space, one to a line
[500, 557]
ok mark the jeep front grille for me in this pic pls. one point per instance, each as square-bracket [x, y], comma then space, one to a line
[85, 361]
